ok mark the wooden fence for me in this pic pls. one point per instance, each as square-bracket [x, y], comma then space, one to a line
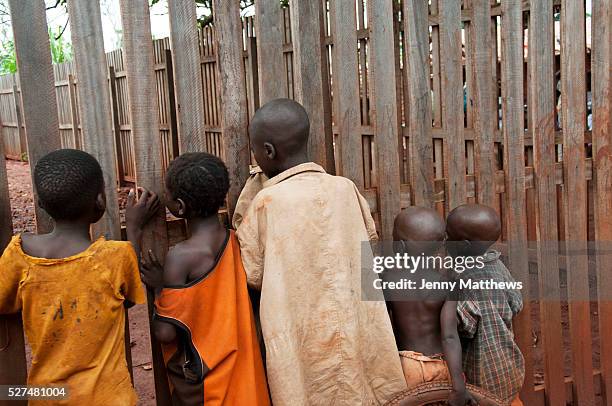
[461, 101]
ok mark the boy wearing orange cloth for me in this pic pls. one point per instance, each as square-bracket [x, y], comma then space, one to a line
[203, 312]
[72, 292]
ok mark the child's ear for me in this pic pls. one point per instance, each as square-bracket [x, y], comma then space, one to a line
[182, 207]
[269, 150]
[101, 202]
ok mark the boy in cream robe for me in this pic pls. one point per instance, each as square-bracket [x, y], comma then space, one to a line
[301, 243]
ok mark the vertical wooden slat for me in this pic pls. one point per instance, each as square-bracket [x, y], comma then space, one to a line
[416, 66]
[74, 115]
[346, 90]
[95, 108]
[542, 107]
[172, 109]
[384, 113]
[573, 87]
[12, 346]
[601, 85]
[485, 121]
[37, 86]
[112, 82]
[252, 76]
[449, 12]
[186, 62]
[514, 166]
[310, 82]
[270, 59]
[233, 108]
[147, 148]
[23, 146]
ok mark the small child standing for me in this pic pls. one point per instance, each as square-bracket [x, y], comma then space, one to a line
[72, 292]
[425, 322]
[203, 313]
[491, 358]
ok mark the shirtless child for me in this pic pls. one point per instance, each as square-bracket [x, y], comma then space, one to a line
[491, 358]
[425, 323]
[203, 314]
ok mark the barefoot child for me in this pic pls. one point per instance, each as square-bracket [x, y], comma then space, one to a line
[72, 292]
[491, 358]
[203, 313]
[425, 322]
[301, 241]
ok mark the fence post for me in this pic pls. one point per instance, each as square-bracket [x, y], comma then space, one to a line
[384, 95]
[270, 59]
[139, 65]
[573, 114]
[234, 119]
[188, 85]
[310, 84]
[12, 346]
[252, 75]
[23, 146]
[418, 103]
[37, 86]
[112, 82]
[346, 90]
[601, 86]
[74, 111]
[449, 12]
[514, 165]
[485, 119]
[542, 107]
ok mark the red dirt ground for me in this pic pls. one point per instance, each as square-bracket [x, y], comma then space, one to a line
[20, 190]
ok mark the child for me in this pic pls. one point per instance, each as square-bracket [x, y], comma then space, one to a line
[203, 314]
[425, 323]
[491, 358]
[301, 241]
[72, 292]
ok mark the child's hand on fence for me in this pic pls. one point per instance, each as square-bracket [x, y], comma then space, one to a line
[152, 271]
[139, 211]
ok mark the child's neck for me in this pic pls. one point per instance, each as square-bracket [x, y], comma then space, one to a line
[71, 229]
[199, 226]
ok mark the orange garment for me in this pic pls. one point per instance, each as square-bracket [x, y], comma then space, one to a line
[419, 368]
[516, 402]
[215, 359]
[74, 318]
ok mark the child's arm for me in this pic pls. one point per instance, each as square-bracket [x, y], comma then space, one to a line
[451, 346]
[138, 212]
[156, 276]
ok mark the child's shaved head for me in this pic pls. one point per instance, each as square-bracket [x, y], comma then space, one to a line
[68, 182]
[476, 223]
[422, 226]
[279, 132]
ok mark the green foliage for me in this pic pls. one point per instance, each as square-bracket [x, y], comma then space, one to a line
[8, 62]
[61, 51]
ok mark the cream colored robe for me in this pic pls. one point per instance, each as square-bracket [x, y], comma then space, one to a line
[301, 241]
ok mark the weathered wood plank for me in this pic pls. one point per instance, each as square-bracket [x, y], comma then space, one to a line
[346, 90]
[542, 107]
[23, 145]
[383, 97]
[270, 60]
[514, 165]
[95, 107]
[310, 75]
[485, 121]
[601, 85]
[12, 346]
[573, 93]
[37, 86]
[74, 115]
[452, 99]
[419, 118]
[188, 84]
[139, 65]
[234, 119]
